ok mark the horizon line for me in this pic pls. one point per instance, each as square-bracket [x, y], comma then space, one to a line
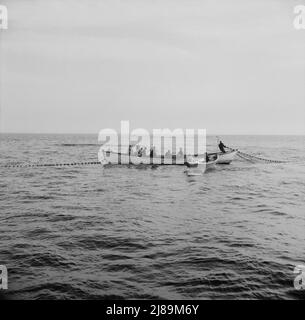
[208, 134]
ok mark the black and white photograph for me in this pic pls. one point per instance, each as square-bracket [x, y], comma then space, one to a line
[152, 150]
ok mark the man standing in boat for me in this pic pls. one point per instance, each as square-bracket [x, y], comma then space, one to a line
[152, 152]
[207, 158]
[130, 149]
[222, 147]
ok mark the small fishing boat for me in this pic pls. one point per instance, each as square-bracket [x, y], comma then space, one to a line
[111, 157]
[223, 158]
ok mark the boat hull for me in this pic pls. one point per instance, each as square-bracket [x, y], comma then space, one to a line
[110, 157]
[226, 158]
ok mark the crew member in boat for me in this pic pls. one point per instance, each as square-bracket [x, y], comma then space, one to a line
[152, 152]
[137, 150]
[222, 147]
[155, 151]
[168, 154]
[130, 149]
[142, 152]
[180, 153]
[207, 159]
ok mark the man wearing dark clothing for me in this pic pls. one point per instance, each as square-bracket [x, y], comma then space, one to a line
[207, 159]
[222, 147]
[129, 149]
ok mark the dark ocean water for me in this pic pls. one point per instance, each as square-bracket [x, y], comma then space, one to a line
[92, 233]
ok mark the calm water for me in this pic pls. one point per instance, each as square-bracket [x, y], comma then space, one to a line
[118, 232]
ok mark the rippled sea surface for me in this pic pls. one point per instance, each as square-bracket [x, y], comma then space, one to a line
[85, 232]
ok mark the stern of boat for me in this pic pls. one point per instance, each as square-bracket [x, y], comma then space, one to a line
[226, 158]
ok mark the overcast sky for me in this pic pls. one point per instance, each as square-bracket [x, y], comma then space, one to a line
[228, 66]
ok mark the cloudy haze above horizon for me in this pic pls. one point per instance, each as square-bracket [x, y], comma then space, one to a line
[76, 66]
